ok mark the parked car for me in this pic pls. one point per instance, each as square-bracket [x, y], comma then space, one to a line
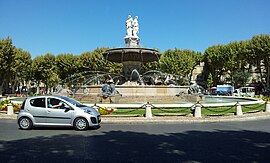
[244, 92]
[56, 111]
[220, 93]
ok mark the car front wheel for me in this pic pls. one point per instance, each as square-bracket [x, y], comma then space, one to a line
[81, 124]
[25, 123]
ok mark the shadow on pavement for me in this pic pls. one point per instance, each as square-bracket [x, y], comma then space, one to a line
[119, 146]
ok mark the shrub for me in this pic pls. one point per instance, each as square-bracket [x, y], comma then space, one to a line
[4, 104]
[266, 98]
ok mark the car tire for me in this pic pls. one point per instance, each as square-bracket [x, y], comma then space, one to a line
[25, 123]
[81, 124]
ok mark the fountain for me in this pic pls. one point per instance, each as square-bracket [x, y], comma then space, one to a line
[132, 57]
[137, 87]
[144, 90]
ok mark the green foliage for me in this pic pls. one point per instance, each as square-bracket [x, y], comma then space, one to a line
[215, 61]
[266, 98]
[66, 64]
[22, 65]
[234, 57]
[260, 50]
[179, 62]
[209, 81]
[44, 70]
[105, 110]
[4, 104]
[151, 66]
[7, 59]
[94, 61]
[241, 78]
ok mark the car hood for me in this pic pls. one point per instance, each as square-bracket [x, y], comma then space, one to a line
[90, 109]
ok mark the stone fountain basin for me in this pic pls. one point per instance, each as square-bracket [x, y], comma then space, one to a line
[158, 95]
[121, 55]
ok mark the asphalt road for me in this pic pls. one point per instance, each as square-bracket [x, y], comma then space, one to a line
[245, 141]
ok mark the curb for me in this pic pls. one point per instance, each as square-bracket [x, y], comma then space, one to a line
[185, 119]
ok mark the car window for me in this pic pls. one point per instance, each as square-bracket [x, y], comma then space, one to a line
[73, 102]
[55, 103]
[23, 104]
[38, 102]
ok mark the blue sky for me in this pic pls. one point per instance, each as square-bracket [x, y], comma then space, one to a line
[77, 26]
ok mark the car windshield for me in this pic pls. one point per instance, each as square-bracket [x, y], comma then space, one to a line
[73, 102]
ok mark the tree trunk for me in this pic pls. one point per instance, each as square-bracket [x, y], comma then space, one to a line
[1, 89]
[14, 86]
[260, 71]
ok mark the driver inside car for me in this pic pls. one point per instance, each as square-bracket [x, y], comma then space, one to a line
[54, 103]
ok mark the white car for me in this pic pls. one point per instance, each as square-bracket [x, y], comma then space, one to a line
[56, 111]
[244, 92]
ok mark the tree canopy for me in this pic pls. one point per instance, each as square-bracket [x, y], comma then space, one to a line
[236, 57]
[179, 62]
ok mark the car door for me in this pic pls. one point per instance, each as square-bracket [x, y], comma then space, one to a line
[57, 113]
[38, 109]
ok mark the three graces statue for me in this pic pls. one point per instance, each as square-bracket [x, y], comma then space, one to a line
[132, 26]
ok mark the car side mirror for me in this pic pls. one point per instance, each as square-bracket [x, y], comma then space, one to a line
[67, 107]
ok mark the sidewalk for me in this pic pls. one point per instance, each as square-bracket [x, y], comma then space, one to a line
[111, 119]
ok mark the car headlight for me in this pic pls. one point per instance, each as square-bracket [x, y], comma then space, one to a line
[89, 112]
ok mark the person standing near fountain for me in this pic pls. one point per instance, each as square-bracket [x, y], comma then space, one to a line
[108, 89]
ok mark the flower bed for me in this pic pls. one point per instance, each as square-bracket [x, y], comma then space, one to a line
[105, 110]
[4, 105]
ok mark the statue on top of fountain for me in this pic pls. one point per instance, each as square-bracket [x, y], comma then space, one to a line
[132, 26]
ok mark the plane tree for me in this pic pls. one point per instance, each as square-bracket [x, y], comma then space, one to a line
[259, 54]
[7, 60]
[44, 70]
[180, 62]
[215, 62]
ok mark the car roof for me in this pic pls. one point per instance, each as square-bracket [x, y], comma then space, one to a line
[247, 87]
[45, 96]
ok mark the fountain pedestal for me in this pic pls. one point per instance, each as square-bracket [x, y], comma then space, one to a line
[132, 41]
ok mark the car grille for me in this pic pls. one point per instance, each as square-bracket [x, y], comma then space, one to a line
[95, 120]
